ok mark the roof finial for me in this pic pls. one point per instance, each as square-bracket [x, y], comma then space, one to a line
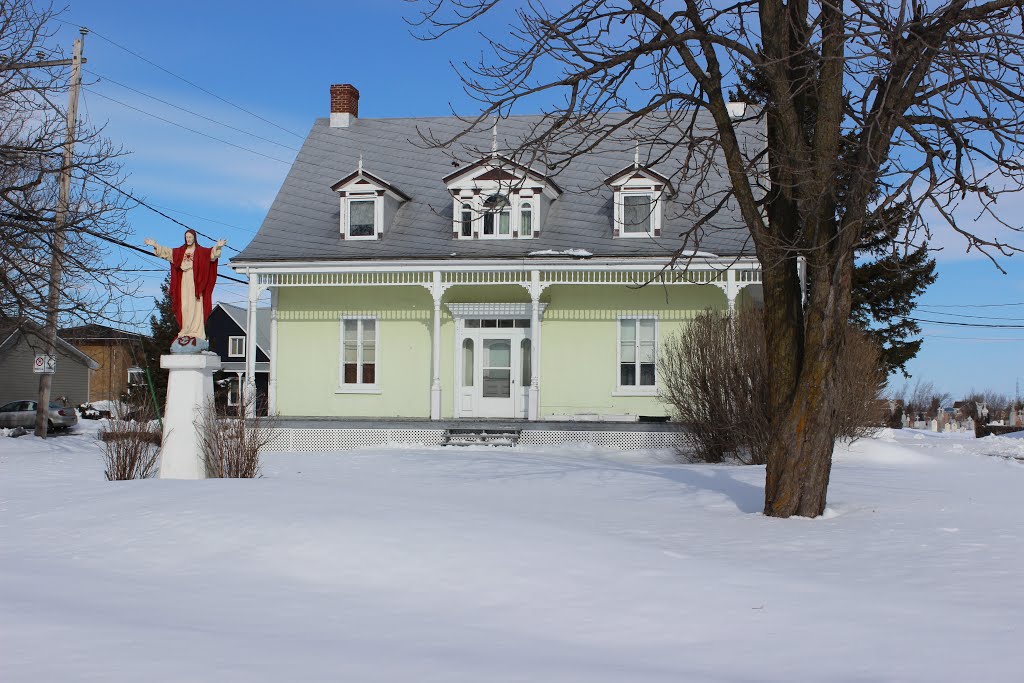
[360, 162]
[636, 153]
[494, 138]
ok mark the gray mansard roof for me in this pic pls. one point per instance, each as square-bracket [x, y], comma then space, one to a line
[303, 223]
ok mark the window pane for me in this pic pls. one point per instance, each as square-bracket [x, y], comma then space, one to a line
[646, 352]
[369, 330]
[488, 323]
[350, 373]
[522, 322]
[369, 373]
[526, 362]
[636, 213]
[497, 383]
[467, 363]
[506, 322]
[627, 375]
[467, 220]
[526, 220]
[498, 353]
[351, 330]
[473, 322]
[628, 330]
[488, 223]
[647, 374]
[369, 351]
[351, 352]
[360, 218]
[647, 330]
[503, 221]
[627, 352]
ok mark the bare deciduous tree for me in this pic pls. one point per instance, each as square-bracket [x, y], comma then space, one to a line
[32, 136]
[924, 100]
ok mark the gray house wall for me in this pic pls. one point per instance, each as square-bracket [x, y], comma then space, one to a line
[19, 383]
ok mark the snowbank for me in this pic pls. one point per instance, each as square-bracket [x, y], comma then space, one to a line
[494, 564]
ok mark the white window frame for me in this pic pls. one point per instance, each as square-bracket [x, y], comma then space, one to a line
[635, 389]
[231, 343]
[653, 228]
[378, 214]
[136, 371]
[359, 387]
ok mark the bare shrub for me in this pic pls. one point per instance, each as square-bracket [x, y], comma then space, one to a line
[714, 374]
[860, 383]
[231, 444]
[131, 441]
[716, 384]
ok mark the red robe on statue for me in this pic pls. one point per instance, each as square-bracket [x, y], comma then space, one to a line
[204, 274]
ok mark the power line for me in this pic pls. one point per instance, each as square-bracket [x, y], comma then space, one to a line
[1019, 303]
[986, 339]
[189, 111]
[204, 218]
[191, 130]
[965, 315]
[158, 211]
[185, 80]
[947, 322]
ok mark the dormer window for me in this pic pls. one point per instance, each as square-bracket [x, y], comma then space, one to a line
[638, 193]
[637, 213]
[526, 219]
[362, 217]
[497, 216]
[368, 205]
[497, 198]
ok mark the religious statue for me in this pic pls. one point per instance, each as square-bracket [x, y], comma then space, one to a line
[193, 275]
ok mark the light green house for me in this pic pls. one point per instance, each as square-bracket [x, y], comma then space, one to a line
[404, 284]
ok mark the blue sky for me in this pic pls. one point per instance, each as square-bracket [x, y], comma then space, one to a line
[277, 60]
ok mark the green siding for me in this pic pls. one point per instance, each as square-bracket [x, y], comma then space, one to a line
[579, 360]
[578, 346]
[308, 351]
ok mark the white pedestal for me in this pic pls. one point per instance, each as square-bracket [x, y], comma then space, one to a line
[189, 390]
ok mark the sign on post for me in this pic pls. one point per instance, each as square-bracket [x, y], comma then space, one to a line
[44, 365]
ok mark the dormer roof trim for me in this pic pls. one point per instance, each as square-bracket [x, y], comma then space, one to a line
[631, 172]
[371, 178]
[498, 162]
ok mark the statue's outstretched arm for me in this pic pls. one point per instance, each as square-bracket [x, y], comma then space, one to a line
[165, 253]
[215, 251]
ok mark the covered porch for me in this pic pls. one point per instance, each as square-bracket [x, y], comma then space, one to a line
[488, 363]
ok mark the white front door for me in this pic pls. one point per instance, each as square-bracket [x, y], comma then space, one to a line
[498, 370]
[493, 368]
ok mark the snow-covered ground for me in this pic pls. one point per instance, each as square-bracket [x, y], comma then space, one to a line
[489, 565]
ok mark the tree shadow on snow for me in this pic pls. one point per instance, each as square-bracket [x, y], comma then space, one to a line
[720, 479]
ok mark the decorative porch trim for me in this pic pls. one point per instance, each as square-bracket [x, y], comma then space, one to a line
[493, 310]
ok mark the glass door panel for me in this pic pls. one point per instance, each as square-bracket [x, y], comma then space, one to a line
[497, 368]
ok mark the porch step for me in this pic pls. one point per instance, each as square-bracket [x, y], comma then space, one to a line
[481, 437]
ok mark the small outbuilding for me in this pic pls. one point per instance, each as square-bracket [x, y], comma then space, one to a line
[19, 345]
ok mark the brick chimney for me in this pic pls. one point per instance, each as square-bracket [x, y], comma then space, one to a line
[344, 105]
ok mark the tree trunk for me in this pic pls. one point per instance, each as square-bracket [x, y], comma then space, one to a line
[802, 352]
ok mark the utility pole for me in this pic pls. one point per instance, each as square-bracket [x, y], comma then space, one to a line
[57, 246]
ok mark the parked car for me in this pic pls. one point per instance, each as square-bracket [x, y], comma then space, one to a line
[23, 414]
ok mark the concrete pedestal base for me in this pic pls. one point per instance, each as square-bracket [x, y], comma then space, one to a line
[189, 391]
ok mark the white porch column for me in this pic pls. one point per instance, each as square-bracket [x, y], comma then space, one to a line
[533, 408]
[732, 289]
[272, 385]
[249, 392]
[435, 370]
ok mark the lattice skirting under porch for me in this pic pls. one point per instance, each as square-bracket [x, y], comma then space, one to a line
[287, 440]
